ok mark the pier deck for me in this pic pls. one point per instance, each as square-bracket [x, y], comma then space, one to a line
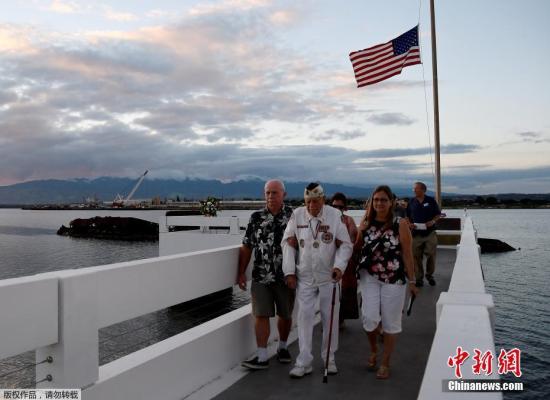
[354, 381]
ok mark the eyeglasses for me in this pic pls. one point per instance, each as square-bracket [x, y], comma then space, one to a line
[340, 207]
[380, 200]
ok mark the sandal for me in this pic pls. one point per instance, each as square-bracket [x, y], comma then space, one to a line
[371, 364]
[383, 372]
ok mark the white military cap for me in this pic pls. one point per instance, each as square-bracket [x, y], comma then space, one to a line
[314, 191]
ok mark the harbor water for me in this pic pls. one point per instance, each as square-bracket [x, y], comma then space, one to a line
[517, 280]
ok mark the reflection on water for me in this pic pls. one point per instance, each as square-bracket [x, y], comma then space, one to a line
[24, 231]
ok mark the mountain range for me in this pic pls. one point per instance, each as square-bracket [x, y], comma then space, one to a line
[54, 191]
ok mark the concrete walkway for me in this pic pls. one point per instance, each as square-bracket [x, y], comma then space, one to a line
[354, 381]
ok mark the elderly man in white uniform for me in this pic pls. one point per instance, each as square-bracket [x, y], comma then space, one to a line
[316, 232]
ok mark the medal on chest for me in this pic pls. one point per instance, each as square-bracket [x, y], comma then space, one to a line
[315, 234]
[327, 237]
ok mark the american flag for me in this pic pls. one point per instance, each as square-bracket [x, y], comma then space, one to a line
[385, 60]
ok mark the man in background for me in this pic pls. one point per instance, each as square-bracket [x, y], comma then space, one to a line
[423, 212]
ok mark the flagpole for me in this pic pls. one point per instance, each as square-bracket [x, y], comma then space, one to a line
[436, 109]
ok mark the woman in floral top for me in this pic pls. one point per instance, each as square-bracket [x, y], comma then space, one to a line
[385, 265]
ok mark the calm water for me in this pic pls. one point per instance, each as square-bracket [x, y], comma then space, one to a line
[517, 280]
[29, 245]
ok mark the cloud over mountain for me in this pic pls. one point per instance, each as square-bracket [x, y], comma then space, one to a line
[210, 91]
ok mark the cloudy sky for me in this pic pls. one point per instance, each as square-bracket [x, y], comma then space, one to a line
[235, 89]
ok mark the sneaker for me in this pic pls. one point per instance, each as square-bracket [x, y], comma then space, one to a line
[419, 283]
[431, 281]
[284, 356]
[332, 370]
[254, 363]
[299, 371]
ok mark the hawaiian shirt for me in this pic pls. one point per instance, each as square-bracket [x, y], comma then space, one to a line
[264, 235]
[381, 253]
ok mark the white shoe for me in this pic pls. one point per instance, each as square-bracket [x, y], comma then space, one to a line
[299, 371]
[332, 370]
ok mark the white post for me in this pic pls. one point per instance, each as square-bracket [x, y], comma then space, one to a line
[163, 227]
[75, 357]
[234, 228]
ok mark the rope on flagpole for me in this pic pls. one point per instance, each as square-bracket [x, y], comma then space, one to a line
[426, 96]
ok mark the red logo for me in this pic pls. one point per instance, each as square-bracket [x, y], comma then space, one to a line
[508, 362]
[483, 362]
[458, 360]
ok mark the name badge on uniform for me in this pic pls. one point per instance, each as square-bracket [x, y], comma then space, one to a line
[302, 226]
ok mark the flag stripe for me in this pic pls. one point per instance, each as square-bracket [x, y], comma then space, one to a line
[388, 63]
[384, 76]
[378, 79]
[370, 51]
[385, 60]
[388, 70]
[370, 61]
[359, 70]
[398, 69]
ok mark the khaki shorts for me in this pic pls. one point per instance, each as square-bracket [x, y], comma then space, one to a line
[266, 297]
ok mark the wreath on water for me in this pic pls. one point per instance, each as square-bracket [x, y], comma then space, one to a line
[210, 206]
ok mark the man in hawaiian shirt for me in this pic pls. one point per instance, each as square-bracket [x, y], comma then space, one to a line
[269, 291]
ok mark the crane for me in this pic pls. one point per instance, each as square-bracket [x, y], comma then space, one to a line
[119, 200]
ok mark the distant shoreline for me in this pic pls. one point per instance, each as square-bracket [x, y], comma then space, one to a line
[294, 204]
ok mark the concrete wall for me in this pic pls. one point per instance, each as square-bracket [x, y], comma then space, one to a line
[92, 298]
[465, 317]
[195, 364]
[207, 237]
[59, 315]
[127, 290]
[185, 241]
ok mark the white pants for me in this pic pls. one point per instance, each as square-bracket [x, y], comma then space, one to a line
[381, 302]
[307, 297]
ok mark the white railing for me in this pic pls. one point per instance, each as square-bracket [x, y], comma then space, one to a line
[465, 317]
[25, 304]
[200, 239]
[234, 224]
[59, 314]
